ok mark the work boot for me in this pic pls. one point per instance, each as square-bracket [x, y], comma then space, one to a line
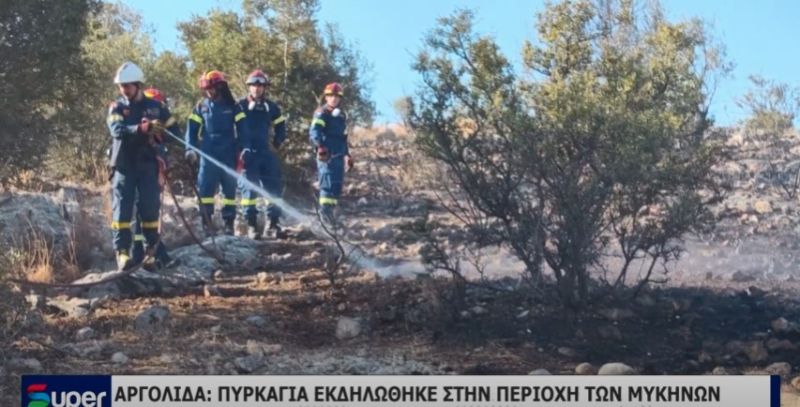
[123, 260]
[229, 230]
[253, 232]
[161, 260]
[137, 253]
[274, 229]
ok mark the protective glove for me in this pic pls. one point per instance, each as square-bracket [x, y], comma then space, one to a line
[191, 155]
[323, 154]
[348, 162]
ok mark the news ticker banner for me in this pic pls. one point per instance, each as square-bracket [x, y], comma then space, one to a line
[343, 391]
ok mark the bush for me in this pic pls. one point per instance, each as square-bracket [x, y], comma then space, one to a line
[600, 153]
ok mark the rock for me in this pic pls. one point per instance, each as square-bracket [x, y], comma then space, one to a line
[85, 333]
[780, 325]
[645, 300]
[347, 328]
[255, 348]
[539, 372]
[262, 278]
[756, 352]
[249, 364]
[119, 358]
[617, 314]
[610, 369]
[210, 290]
[36, 301]
[705, 357]
[219, 274]
[779, 368]
[585, 369]
[740, 276]
[152, 320]
[609, 332]
[763, 207]
[26, 365]
[384, 232]
[719, 371]
[755, 292]
[523, 314]
[568, 352]
[73, 307]
[478, 310]
[796, 383]
[362, 201]
[256, 320]
[774, 344]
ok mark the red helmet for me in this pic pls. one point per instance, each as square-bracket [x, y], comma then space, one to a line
[333, 89]
[211, 79]
[257, 77]
[155, 94]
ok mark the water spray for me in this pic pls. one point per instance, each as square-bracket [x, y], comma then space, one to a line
[360, 257]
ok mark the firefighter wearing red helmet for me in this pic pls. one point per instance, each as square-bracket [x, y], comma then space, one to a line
[223, 135]
[328, 135]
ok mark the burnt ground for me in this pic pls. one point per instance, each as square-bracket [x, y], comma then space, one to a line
[695, 324]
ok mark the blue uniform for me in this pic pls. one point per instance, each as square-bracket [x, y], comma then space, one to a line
[264, 122]
[328, 130]
[135, 170]
[217, 122]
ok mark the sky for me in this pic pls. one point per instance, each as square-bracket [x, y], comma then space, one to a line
[761, 37]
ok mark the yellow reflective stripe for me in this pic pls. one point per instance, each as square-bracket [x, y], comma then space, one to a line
[150, 225]
[280, 119]
[249, 202]
[227, 201]
[194, 117]
[207, 200]
[239, 116]
[318, 121]
[324, 200]
[120, 225]
[138, 238]
[114, 118]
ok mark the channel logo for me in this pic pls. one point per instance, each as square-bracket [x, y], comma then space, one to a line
[37, 396]
[66, 391]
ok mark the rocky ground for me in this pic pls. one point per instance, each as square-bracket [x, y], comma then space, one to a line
[730, 305]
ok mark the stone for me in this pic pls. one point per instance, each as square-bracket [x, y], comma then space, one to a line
[73, 307]
[119, 358]
[780, 325]
[779, 368]
[615, 368]
[262, 278]
[756, 352]
[36, 301]
[85, 333]
[585, 369]
[256, 320]
[740, 276]
[152, 320]
[774, 344]
[539, 372]
[796, 383]
[347, 328]
[219, 274]
[26, 365]
[249, 364]
[210, 290]
[478, 310]
[719, 371]
[568, 352]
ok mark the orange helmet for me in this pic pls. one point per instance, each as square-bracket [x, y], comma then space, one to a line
[211, 79]
[257, 77]
[155, 94]
[333, 89]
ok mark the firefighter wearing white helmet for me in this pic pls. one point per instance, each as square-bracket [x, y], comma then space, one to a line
[136, 124]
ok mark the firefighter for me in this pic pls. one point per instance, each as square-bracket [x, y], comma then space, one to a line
[267, 128]
[136, 124]
[221, 122]
[329, 137]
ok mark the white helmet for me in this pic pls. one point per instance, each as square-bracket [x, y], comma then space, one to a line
[129, 73]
